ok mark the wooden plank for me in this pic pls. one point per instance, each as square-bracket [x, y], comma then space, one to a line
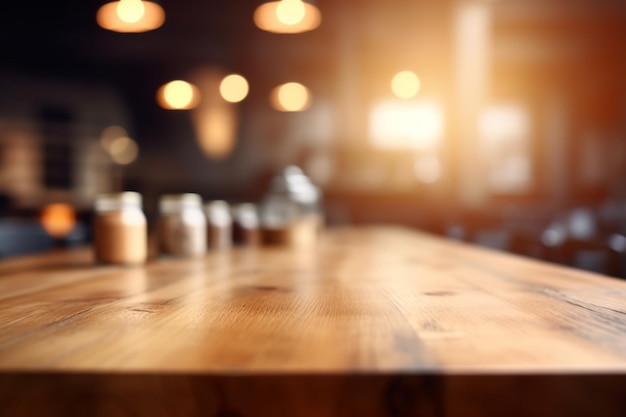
[311, 395]
[361, 309]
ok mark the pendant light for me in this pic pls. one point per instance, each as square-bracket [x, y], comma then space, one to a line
[290, 97]
[130, 16]
[234, 88]
[178, 95]
[287, 16]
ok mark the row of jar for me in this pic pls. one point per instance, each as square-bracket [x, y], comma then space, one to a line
[187, 228]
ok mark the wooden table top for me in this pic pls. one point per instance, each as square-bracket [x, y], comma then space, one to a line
[373, 304]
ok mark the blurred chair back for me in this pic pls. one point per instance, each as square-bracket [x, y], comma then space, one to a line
[593, 255]
[19, 237]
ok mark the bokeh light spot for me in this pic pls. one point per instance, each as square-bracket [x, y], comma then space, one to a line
[234, 88]
[178, 95]
[110, 134]
[289, 19]
[130, 16]
[290, 12]
[58, 219]
[124, 150]
[130, 11]
[405, 84]
[290, 97]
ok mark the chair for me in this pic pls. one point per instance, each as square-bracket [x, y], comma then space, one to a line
[593, 255]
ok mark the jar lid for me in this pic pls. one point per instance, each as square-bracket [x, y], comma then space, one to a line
[218, 211]
[186, 198]
[123, 197]
[246, 214]
[169, 203]
[111, 200]
[217, 205]
[293, 171]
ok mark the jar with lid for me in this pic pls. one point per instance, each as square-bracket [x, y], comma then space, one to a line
[219, 224]
[246, 225]
[120, 230]
[279, 213]
[182, 225]
[307, 196]
[291, 211]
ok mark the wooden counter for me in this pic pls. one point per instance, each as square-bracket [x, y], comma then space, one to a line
[370, 322]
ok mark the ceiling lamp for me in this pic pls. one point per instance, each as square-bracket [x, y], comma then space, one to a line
[130, 16]
[290, 97]
[178, 95]
[234, 88]
[287, 16]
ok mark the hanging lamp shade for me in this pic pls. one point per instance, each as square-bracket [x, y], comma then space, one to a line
[287, 16]
[130, 16]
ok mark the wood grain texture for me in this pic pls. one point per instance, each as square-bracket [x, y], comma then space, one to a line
[377, 321]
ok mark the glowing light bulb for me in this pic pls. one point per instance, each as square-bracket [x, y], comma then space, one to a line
[290, 12]
[405, 84]
[290, 97]
[287, 16]
[130, 11]
[234, 88]
[178, 95]
[130, 16]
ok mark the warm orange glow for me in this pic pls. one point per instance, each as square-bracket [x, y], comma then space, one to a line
[290, 12]
[503, 123]
[178, 95]
[110, 134]
[123, 150]
[216, 130]
[130, 16]
[405, 84]
[234, 88]
[287, 16]
[396, 124]
[215, 120]
[130, 11]
[504, 133]
[428, 169]
[290, 97]
[58, 219]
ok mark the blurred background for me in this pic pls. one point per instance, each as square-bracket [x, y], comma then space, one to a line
[500, 122]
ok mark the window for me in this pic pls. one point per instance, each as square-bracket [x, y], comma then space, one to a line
[400, 124]
[505, 135]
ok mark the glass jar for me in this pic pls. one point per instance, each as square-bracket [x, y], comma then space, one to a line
[182, 225]
[219, 224]
[120, 230]
[279, 213]
[246, 225]
[306, 195]
[291, 210]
